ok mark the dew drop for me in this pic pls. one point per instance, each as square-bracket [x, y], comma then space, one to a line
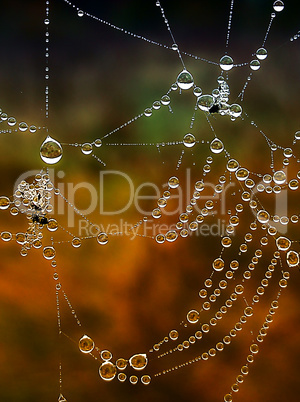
[278, 5]
[263, 216]
[80, 13]
[139, 361]
[242, 174]
[121, 364]
[146, 379]
[173, 182]
[76, 242]
[283, 243]
[292, 258]
[226, 63]
[107, 371]
[102, 238]
[205, 102]
[51, 151]
[49, 253]
[235, 110]
[279, 177]
[61, 398]
[189, 140]
[87, 148]
[198, 92]
[185, 80]
[216, 146]
[255, 65]
[86, 344]
[193, 316]
[171, 236]
[173, 335]
[11, 121]
[98, 143]
[218, 264]
[4, 202]
[6, 236]
[261, 53]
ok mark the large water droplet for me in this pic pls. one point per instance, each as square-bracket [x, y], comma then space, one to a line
[86, 344]
[278, 5]
[139, 361]
[216, 146]
[107, 371]
[279, 177]
[255, 65]
[261, 53]
[4, 202]
[226, 63]
[185, 80]
[189, 140]
[61, 398]
[205, 102]
[51, 151]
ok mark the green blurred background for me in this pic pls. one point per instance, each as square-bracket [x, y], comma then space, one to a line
[129, 294]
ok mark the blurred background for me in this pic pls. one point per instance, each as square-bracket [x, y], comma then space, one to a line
[130, 294]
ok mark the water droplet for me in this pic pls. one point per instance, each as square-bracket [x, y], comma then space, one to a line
[189, 140]
[133, 379]
[6, 236]
[52, 225]
[216, 146]
[255, 65]
[156, 213]
[98, 143]
[232, 165]
[122, 377]
[102, 238]
[185, 80]
[218, 264]
[193, 316]
[173, 335]
[4, 202]
[165, 100]
[261, 53]
[121, 364]
[49, 252]
[171, 236]
[242, 174]
[173, 182]
[283, 243]
[205, 102]
[263, 216]
[11, 121]
[76, 242]
[148, 112]
[80, 13]
[292, 258]
[106, 355]
[175, 46]
[146, 379]
[51, 151]
[278, 5]
[86, 344]
[107, 371]
[235, 110]
[160, 238]
[198, 92]
[139, 361]
[61, 398]
[279, 177]
[87, 148]
[226, 63]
